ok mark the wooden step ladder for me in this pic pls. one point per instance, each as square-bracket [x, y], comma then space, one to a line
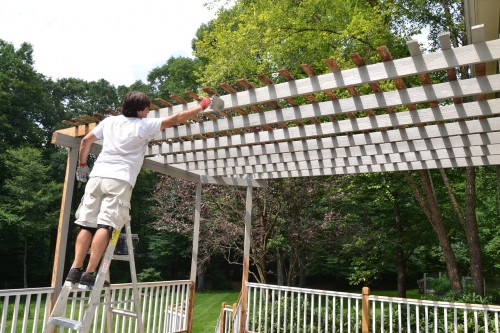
[57, 316]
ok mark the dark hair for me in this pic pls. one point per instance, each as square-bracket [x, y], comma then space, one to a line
[133, 102]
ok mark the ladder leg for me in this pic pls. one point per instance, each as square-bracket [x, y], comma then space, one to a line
[58, 310]
[133, 274]
[95, 294]
[83, 326]
[107, 308]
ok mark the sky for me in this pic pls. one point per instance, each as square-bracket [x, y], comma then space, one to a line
[120, 41]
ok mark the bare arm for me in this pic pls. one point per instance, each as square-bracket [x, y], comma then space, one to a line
[180, 117]
[85, 145]
[185, 115]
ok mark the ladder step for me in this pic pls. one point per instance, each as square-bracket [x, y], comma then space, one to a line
[122, 257]
[126, 313]
[66, 322]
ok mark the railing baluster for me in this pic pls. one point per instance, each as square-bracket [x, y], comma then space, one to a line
[390, 317]
[334, 307]
[311, 314]
[298, 312]
[465, 321]
[349, 315]
[286, 311]
[164, 311]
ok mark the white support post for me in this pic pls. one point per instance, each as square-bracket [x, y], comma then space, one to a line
[194, 256]
[248, 222]
[196, 233]
[246, 259]
[64, 216]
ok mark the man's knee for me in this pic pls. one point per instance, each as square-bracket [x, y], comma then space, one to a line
[89, 229]
[107, 227]
[94, 230]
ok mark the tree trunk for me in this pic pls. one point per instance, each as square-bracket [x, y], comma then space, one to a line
[280, 267]
[400, 257]
[469, 224]
[428, 202]
[401, 263]
[25, 263]
[200, 281]
[471, 232]
[302, 274]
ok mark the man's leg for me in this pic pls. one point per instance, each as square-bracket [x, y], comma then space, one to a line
[83, 241]
[82, 244]
[99, 245]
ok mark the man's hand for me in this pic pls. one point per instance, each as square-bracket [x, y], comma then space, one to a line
[205, 102]
[82, 172]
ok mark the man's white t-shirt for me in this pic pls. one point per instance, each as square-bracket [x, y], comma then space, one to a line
[125, 140]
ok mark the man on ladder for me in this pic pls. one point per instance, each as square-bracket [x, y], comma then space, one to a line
[106, 203]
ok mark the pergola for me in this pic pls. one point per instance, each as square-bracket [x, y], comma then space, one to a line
[308, 127]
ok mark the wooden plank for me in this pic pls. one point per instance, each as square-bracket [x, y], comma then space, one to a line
[403, 166]
[441, 60]
[79, 131]
[404, 147]
[392, 98]
[163, 102]
[231, 90]
[64, 224]
[386, 56]
[314, 148]
[413, 133]
[477, 35]
[288, 77]
[424, 78]
[445, 42]
[330, 159]
[157, 163]
[334, 67]
[247, 182]
[67, 122]
[346, 163]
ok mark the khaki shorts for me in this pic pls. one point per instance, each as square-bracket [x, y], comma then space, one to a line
[106, 201]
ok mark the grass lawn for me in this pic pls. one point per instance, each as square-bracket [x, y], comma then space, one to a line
[207, 307]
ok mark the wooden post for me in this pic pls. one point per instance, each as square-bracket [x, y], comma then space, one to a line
[64, 215]
[246, 259]
[191, 307]
[244, 296]
[194, 255]
[222, 318]
[365, 311]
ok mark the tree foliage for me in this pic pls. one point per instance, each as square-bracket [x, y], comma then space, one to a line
[29, 200]
[263, 36]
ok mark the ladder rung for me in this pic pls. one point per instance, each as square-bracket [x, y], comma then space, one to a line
[122, 257]
[126, 313]
[66, 322]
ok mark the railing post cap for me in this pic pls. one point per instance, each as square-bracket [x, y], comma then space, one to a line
[366, 291]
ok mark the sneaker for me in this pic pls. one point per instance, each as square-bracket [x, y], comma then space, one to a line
[73, 277]
[87, 281]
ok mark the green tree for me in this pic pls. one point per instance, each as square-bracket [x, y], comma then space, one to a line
[29, 202]
[176, 76]
[75, 97]
[263, 36]
[23, 98]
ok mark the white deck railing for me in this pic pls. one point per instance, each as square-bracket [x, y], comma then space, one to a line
[164, 308]
[286, 309]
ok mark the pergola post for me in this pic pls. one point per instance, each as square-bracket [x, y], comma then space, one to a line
[194, 254]
[64, 215]
[246, 259]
